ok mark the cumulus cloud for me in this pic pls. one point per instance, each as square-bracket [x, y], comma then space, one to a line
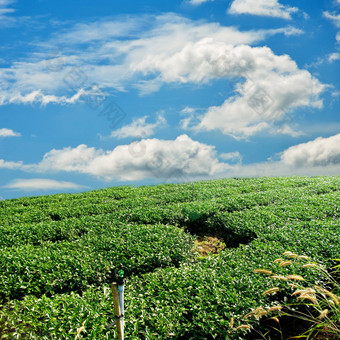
[269, 86]
[148, 158]
[202, 59]
[314, 158]
[4, 132]
[41, 184]
[114, 54]
[179, 160]
[270, 8]
[319, 152]
[139, 128]
[274, 86]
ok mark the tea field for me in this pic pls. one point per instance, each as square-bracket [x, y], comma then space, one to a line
[58, 254]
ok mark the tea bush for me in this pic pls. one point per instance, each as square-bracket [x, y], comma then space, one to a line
[58, 253]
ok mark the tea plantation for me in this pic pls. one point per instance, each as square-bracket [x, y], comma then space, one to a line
[58, 255]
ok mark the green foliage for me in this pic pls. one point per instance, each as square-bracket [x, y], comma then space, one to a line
[60, 267]
[57, 255]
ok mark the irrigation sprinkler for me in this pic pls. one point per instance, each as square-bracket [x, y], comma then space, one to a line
[117, 289]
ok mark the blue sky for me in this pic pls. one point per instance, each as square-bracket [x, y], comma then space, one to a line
[105, 93]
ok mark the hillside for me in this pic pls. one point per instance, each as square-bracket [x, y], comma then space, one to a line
[58, 254]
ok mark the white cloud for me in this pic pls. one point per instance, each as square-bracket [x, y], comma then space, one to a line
[197, 2]
[139, 128]
[273, 88]
[231, 156]
[10, 165]
[5, 9]
[188, 110]
[319, 152]
[195, 52]
[315, 158]
[199, 60]
[276, 78]
[290, 30]
[5, 3]
[262, 7]
[114, 54]
[4, 132]
[178, 160]
[38, 97]
[106, 30]
[271, 169]
[149, 158]
[329, 58]
[335, 18]
[288, 130]
[67, 159]
[333, 57]
[325, 128]
[41, 184]
[188, 122]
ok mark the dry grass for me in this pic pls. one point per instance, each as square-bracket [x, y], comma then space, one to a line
[316, 307]
[209, 245]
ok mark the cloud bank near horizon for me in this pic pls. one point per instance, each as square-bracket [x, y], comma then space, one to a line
[183, 159]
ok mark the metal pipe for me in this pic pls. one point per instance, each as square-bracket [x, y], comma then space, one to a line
[121, 305]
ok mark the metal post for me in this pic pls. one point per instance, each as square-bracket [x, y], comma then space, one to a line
[121, 306]
[118, 299]
[116, 302]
